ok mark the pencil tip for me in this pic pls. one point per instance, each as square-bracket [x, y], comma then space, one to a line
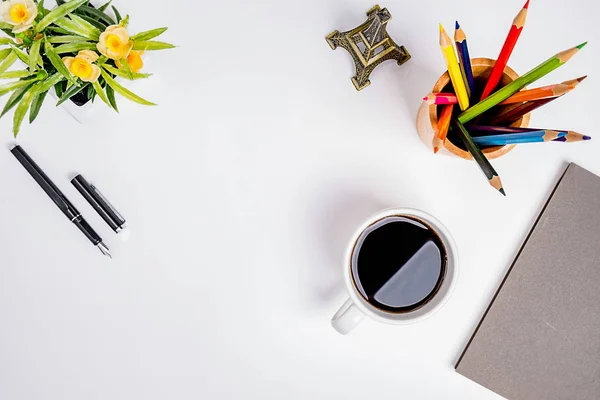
[587, 137]
[582, 45]
[457, 25]
[441, 28]
[435, 150]
[581, 79]
[501, 190]
[526, 6]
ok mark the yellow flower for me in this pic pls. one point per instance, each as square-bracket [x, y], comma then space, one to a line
[114, 42]
[134, 59]
[82, 65]
[19, 13]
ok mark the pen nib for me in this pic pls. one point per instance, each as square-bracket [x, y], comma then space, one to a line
[104, 249]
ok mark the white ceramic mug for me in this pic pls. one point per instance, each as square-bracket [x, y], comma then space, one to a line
[357, 307]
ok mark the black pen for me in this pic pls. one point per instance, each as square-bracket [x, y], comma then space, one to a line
[59, 199]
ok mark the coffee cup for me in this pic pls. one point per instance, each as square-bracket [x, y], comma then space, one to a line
[401, 265]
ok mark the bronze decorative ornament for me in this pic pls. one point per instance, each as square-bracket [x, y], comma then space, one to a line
[369, 45]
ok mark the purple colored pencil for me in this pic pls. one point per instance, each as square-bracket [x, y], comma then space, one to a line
[482, 130]
[518, 112]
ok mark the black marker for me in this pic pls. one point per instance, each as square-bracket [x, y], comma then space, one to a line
[59, 199]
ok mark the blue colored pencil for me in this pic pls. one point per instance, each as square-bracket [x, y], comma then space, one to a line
[517, 138]
[485, 130]
[465, 60]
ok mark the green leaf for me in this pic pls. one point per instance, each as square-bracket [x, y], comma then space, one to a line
[74, 47]
[34, 54]
[126, 68]
[86, 25]
[125, 21]
[97, 14]
[58, 13]
[22, 56]
[151, 45]
[9, 87]
[147, 35]
[36, 105]
[101, 93]
[56, 29]
[117, 14]
[72, 28]
[50, 81]
[8, 62]
[41, 9]
[110, 93]
[125, 75]
[4, 41]
[101, 60]
[124, 92]
[15, 98]
[90, 91]
[72, 91]
[15, 74]
[104, 6]
[59, 88]
[58, 63]
[4, 25]
[22, 108]
[4, 53]
[95, 23]
[66, 39]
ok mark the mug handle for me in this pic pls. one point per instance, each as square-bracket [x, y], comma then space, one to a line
[347, 317]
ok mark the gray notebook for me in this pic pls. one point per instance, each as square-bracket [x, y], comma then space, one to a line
[540, 337]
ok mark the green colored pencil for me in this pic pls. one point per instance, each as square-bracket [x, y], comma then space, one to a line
[543, 69]
[489, 171]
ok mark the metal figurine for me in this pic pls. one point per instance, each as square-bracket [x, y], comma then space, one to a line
[369, 45]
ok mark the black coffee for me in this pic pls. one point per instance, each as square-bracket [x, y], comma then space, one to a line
[399, 264]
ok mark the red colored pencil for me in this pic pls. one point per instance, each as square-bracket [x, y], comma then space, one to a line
[507, 49]
[441, 98]
[514, 114]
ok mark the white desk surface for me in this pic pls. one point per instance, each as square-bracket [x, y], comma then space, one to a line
[241, 190]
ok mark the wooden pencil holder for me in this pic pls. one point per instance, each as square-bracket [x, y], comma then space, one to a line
[427, 117]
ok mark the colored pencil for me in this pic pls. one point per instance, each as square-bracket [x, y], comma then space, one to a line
[465, 60]
[439, 139]
[453, 69]
[573, 137]
[507, 49]
[487, 169]
[543, 92]
[514, 114]
[485, 130]
[441, 98]
[541, 70]
[516, 138]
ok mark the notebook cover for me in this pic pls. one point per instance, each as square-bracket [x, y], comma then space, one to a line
[540, 337]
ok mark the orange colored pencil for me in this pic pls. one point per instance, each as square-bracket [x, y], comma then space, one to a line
[507, 49]
[544, 92]
[443, 125]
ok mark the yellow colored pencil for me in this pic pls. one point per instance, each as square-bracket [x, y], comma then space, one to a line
[449, 53]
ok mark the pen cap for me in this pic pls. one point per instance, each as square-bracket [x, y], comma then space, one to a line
[99, 203]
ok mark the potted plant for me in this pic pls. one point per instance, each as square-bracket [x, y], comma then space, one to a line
[76, 49]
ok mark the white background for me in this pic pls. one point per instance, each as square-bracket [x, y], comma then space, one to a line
[241, 189]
